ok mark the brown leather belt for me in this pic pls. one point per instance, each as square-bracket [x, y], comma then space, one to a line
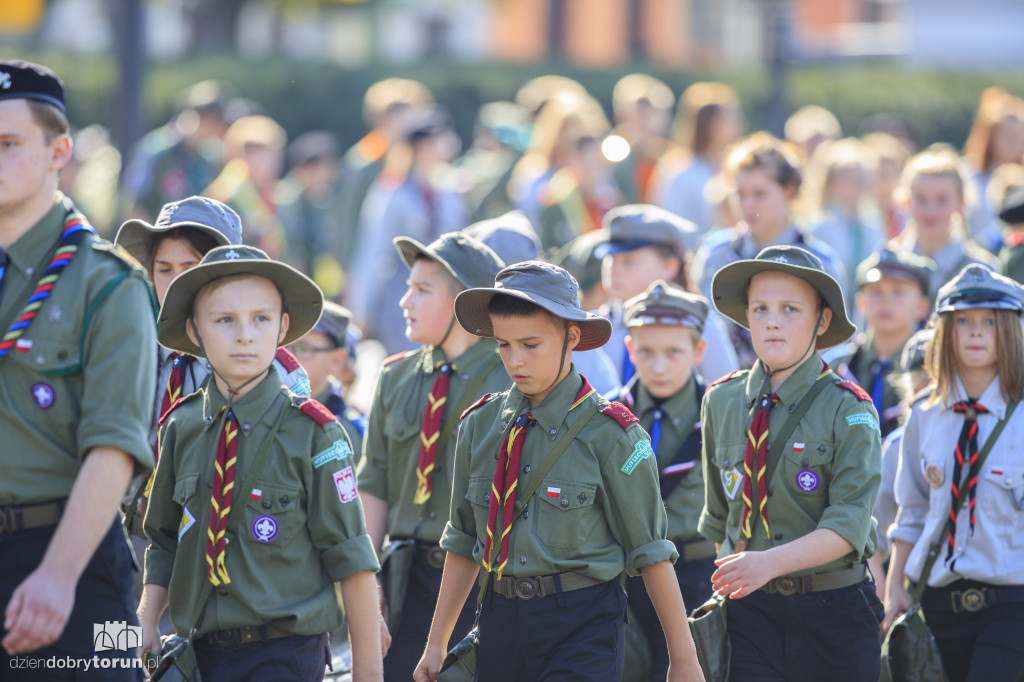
[236, 636]
[701, 549]
[15, 518]
[431, 555]
[820, 582]
[540, 586]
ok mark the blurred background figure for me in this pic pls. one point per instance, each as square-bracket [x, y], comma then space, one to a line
[641, 108]
[499, 139]
[891, 153]
[90, 177]
[809, 126]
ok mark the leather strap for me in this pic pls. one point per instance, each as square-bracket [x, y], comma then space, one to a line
[806, 584]
[16, 518]
[236, 636]
[541, 585]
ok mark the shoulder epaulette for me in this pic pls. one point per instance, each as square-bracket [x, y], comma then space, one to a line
[723, 379]
[397, 356]
[620, 413]
[118, 253]
[317, 412]
[181, 399]
[855, 389]
[485, 398]
[287, 359]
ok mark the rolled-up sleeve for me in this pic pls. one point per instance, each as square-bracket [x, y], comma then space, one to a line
[460, 533]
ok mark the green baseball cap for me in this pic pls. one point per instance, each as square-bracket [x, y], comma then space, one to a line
[542, 284]
[209, 215]
[301, 298]
[887, 263]
[978, 287]
[471, 262]
[663, 303]
[729, 288]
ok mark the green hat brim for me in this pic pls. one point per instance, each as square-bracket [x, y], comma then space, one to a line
[729, 292]
[135, 236]
[471, 311]
[301, 298]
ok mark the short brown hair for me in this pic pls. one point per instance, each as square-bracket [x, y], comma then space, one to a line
[48, 117]
[941, 356]
[198, 240]
[763, 151]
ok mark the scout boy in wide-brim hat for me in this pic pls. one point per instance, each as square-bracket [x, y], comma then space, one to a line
[471, 262]
[301, 298]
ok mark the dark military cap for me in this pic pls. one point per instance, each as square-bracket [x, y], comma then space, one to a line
[25, 80]
[209, 215]
[334, 323]
[542, 284]
[635, 226]
[898, 265]
[729, 288]
[511, 236]
[472, 263]
[978, 287]
[914, 349]
[663, 303]
[1012, 210]
[580, 259]
[313, 147]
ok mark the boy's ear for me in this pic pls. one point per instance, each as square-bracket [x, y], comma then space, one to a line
[698, 351]
[191, 332]
[284, 327]
[574, 336]
[60, 150]
[826, 320]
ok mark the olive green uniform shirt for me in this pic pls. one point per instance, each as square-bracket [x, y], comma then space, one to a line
[859, 367]
[321, 536]
[88, 377]
[682, 414]
[836, 441]
[391, 446]
[600, 522]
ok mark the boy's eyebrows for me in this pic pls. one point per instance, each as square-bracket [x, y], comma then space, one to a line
[419, 282]
[521, 339]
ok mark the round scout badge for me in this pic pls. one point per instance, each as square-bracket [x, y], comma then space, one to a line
[933, 474]
[265, 529]
[807, 480]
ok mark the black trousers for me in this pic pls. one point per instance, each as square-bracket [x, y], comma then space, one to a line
[984, 646]
[103, 613]
[694, 579]
[831, 635]
[573, 636]
[408, 641]
[302, 658]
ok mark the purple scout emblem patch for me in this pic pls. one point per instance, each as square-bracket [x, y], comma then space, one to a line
[807, 480]
[43, 395]
[265, 528]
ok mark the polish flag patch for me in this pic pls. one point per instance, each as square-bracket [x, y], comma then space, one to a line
[255, 494]
[554, 492]
[24, 345]
[798, 447]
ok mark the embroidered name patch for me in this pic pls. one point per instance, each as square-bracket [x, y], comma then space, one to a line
[731, 480]
[865, 419]
[339, 451]
[641, 452]
[345, 482]
[187, 521]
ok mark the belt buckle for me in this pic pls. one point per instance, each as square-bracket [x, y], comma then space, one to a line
[435, 557]
[786, 587]
[526, 588]
[972, 600]
[225, 637]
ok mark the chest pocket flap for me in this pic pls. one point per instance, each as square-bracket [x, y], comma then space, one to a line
[185, 488]
[399, 428]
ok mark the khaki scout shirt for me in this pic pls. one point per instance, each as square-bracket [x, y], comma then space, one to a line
[391, 446]
[306, 493]
[588, 515]
[87, 380]
[825, 476]
[682, 413]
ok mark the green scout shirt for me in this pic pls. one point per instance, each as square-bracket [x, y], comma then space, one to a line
[682, 414]
[321, 537]
[89, 376]
[859, 367]
[391, 446]
[600, 522]
[837, 441]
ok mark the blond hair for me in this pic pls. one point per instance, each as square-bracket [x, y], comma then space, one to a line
[994, 108]
[941, 161]
[829, 159]
[635, 88]
[763, 151]
[940, 359]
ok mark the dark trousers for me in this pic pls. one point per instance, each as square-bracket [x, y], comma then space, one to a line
[694, 579]
[408, 640]
[103, 598]
[831, 635]
[302, 658]
[984, 646]
[569, 637]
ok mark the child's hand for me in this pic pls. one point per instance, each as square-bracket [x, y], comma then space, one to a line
[429, 665]
[740, 574]
[897, 600]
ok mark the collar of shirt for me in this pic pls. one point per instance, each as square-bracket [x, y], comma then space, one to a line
[750, 249]
[946, 257]
[992, 398]
[26, 253]
[432, 358]
[550, 414]
[793, 388]
[673, 407]
[249, 409]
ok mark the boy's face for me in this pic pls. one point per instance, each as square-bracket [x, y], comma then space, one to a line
[664, 356]
[933, 201]
[173, 256]
[629, 273]
[321, 359]
[429, 302]
[893, 306]
[782, 311]
[762, 201]
[975, 334]
[26, 158]
[241, 325]
[531, 349]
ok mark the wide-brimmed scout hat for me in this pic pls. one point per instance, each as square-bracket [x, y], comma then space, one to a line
[471, 262]
[729, 288]
[978, 287]
[635, 226]
[665, 304]
[334, 323]
[209, 215]
[887, 263]
[511, 236]
[543, 284]
[301, 298]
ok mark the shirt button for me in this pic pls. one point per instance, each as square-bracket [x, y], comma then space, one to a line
[778, 536]
[552, 432]
[770, 492]
[464, 376]
[526, 469]
[522, 559]
[792, 408]
[40, 359]
[222, 591]
[401, 432]
[504, 424]
[564, 502]
[207, 420]
[29, 270]
[432, 514]
[227, 541]
[246, 426]
[487, 497]
[526, 513]
[804, 462]
[182, 497]
[266, 504]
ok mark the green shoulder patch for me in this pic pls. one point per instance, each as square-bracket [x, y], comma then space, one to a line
[119, 253]
[865, 419]
[339, 450]
[642, 451]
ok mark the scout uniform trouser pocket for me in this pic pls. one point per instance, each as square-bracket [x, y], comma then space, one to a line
[540, 586]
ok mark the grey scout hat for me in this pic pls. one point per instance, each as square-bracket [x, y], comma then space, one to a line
[580, 259]
[511, 236]
[729, 288]
[665, 304]
[887, 263]
[472, 263]
[542, 284]
[301, 298]
[978, 287]
[635, 226]
[202, 213]
[334, 323]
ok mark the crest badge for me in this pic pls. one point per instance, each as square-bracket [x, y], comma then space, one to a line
[732, 479]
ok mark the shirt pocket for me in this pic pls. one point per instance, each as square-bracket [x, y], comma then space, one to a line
[478, 493]
[728, 459]
[564, 512]
[806, 469]
[398, 428]
[52, 382]
[1003, 499]
[272, 515]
